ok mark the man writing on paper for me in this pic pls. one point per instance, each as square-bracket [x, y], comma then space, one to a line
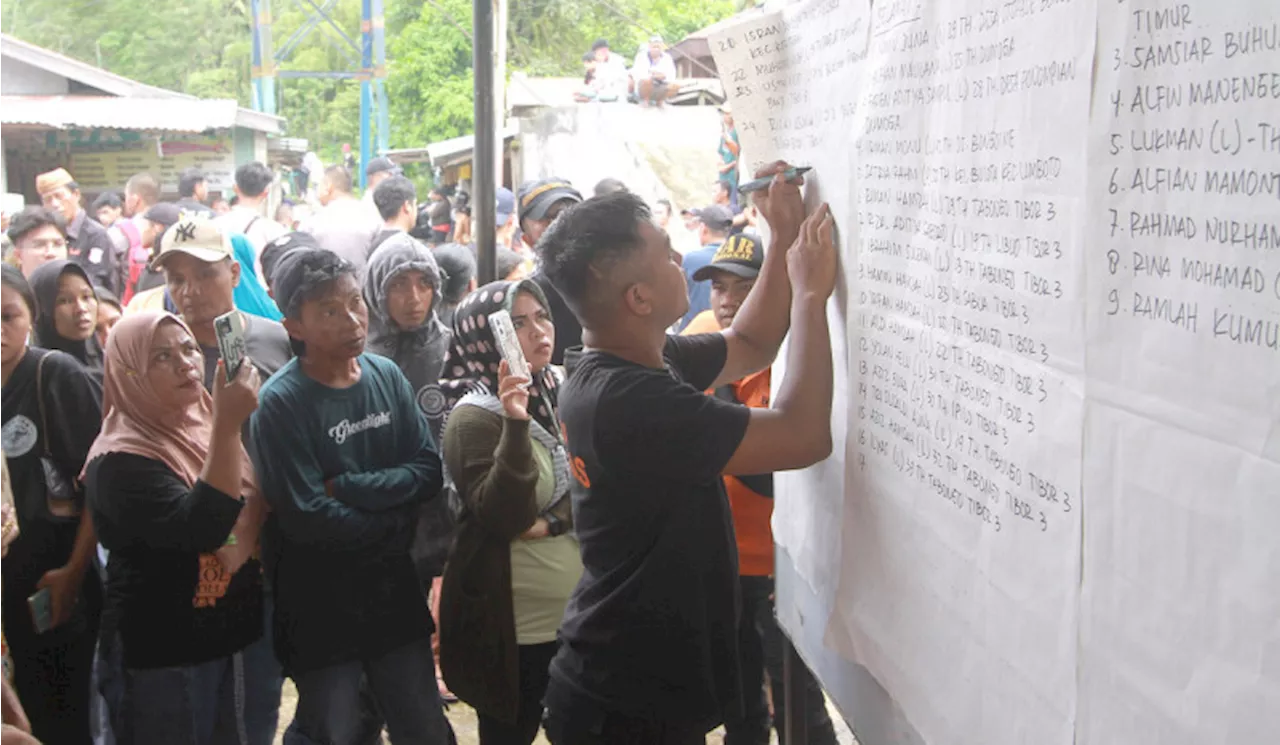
[732, 274]
[648, 652]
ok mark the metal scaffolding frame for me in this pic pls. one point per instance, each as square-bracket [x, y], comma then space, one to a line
[367, 63]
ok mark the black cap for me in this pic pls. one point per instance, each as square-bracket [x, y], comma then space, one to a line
[742, 255]
[600, 44]
[272, 253]
[716, 217]
[536, 197]
[381, 164]
[165, 213]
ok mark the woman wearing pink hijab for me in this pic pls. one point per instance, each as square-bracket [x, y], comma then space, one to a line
[179, 512]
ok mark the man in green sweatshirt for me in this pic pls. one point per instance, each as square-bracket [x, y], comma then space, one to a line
[345, 459]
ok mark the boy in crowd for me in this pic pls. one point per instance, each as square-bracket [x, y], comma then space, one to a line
[38, 238]
[396, 199]
[648, 649]
[345, 459]
[732, 273]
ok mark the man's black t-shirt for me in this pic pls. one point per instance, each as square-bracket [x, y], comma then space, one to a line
[651, 630]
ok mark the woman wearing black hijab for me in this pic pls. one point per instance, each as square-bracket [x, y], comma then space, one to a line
[52, 411]
[68, 312]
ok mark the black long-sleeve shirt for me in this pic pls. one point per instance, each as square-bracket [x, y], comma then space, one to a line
[171, 601]
[345, 471]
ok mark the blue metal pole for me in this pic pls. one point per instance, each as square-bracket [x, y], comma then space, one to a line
[366, 87]
[263, 62]
[380, 76]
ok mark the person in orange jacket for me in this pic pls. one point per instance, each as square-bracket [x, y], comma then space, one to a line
[732, 273]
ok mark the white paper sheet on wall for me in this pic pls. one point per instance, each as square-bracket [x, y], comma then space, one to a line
[961, 544]
[1060, 226]
[804, 119]
[1181, 589]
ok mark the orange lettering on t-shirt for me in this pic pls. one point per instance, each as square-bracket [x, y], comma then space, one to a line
[212, 582]
[580, 473]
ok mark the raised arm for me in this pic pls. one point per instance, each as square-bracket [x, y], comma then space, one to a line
[796, 432]
[761, 324]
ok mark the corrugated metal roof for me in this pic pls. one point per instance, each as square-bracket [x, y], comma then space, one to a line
[139, 106]
[112, 112]
[458, 149]
[81, 72]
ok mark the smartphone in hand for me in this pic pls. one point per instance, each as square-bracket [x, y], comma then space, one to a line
[41, 606]
[230, 330]
[504, 332]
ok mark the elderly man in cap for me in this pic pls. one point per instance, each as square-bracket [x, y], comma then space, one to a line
[88, 243]
[653, 73]
[540, 203]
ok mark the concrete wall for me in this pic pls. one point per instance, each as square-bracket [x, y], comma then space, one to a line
[668, 153]
[20, 79]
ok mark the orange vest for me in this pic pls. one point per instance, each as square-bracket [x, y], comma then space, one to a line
[752, 512]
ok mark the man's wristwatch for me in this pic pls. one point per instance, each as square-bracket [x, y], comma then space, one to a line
[555, 526]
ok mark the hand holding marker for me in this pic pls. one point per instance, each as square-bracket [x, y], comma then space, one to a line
[763, 183]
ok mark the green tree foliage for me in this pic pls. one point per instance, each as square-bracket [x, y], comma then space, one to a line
[203, 47]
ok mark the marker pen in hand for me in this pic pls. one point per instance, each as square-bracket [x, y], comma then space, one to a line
[763, 183]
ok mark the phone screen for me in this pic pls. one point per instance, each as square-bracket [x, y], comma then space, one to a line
[230, 330]
[41, 605]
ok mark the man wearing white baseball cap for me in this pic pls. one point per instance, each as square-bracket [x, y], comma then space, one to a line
[201, 274]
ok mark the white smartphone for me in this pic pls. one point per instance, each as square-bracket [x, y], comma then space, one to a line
[230, 330]
[508, 344]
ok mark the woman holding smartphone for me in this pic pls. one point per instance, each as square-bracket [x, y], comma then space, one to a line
[52, 409]
[515, 561]
[175, 503]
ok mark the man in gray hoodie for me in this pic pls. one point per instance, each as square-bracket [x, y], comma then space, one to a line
[402, 291]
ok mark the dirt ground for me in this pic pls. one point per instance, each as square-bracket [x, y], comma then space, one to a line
[463, 719]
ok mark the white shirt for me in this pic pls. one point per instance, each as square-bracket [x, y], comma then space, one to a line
[346, 226]
[249, 222]
[611, 75]
[643, 66]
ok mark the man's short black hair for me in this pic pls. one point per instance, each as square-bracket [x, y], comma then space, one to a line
[339, 178]
[33, 218]
[392, 194]
[600, 44]
[253, 179]
[107, 199]
[188, 180]
[108, 297]
[609, 186]
[507, 261]
[594, 234]
[459, 266]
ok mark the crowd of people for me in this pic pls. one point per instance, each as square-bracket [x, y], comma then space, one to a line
[375, 505]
